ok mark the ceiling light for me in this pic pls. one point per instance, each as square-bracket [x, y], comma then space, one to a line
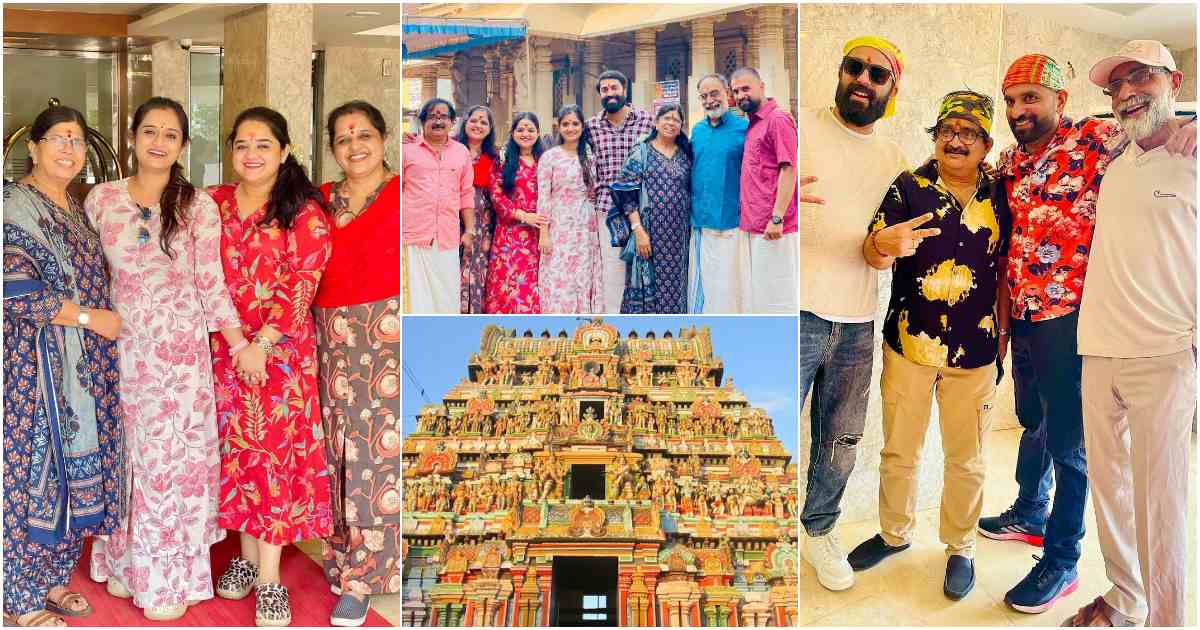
[364, 14]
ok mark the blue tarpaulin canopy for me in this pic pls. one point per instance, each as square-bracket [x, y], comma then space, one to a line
[429, 37]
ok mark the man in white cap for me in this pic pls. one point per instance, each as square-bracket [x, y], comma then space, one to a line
[1137, 328]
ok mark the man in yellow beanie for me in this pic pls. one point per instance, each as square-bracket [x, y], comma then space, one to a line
[853, 168]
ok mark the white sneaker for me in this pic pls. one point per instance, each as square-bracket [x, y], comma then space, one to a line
[825, 555]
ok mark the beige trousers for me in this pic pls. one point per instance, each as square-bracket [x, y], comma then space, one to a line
[965, 399]
[1137, 421]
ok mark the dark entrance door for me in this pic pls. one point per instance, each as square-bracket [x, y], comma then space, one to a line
[584, 592]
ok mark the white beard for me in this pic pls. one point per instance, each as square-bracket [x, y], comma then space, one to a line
[1158, 112]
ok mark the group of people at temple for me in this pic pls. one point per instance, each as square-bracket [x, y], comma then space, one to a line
[1078, 251]
[179, 362]
[623, 213]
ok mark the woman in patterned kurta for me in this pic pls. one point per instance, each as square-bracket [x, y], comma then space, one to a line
[479, 135]
[570, 272]
[169, 302]
[358, 338]
[63, 440]
[275, 242]
[654, 188]
[512, 274]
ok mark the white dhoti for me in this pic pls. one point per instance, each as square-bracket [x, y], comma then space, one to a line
[432, 276]
[717, 279]
[772, 271]
[612, 268]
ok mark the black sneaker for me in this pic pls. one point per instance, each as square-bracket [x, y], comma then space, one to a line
[1044, 585]
[872, 552]
[1010, 526]
[960, 577]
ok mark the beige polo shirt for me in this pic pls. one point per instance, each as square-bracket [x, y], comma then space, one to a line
[854, 172]
[1139, 296]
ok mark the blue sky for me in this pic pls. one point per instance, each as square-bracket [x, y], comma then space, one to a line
[759, 353]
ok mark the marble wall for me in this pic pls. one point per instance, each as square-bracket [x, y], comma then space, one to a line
[947, 47]
[1186, 61]
[357, 73]
[171, 71]
[268, 61]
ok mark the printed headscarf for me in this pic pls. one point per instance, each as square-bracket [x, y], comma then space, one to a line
[1036, 69]
[969, 105]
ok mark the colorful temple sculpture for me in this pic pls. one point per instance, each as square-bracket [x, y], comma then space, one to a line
[597, 480]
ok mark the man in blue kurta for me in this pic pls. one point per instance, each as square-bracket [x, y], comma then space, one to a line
[716, 281]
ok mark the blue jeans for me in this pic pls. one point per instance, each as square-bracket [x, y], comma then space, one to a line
[1047, 370]
[835, 363]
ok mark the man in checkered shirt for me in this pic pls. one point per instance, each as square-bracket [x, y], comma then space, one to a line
[613, 132]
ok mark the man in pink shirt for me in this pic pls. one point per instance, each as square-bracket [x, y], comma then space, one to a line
[437, 190]
[770, 247]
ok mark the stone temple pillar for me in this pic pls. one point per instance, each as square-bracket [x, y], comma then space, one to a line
[593, 62]
[703, 62]
[543, 83]
[645, 69]
[772, 64]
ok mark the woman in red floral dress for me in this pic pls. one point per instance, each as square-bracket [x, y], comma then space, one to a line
[513, 270]
[275, 241]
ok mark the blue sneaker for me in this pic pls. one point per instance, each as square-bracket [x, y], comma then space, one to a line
[1044, 585]
[1010, 526]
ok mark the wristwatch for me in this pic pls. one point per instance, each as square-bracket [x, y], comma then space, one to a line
[776, 220]
[83, 318]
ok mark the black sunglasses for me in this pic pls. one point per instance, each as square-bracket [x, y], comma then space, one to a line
[853, 68]
[143, 236]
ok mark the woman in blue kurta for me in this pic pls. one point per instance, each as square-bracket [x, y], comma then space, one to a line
[653, 192]
[63, 442]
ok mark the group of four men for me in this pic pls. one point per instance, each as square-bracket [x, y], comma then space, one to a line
[980, 257]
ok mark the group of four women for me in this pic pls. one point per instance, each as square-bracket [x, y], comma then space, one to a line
[181, 362]
[536, 246]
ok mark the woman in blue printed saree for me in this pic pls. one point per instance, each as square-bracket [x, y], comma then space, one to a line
[63, 440]
[652, 217]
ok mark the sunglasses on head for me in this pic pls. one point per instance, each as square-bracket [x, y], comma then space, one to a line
[854, 67]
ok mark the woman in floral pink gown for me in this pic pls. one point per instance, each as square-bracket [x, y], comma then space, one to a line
[162, 239]
[513, 271]
[569, 275]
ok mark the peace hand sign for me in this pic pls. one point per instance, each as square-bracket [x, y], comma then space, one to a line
[902, 239]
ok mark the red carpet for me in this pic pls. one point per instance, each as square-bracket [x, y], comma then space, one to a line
[311, 599]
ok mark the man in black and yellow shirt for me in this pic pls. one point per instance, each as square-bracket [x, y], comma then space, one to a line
[939, 232]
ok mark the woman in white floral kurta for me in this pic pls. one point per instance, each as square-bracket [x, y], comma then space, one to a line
[569, 272]
[168, 306]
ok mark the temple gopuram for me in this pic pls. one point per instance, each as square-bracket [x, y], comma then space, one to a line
[597, 480]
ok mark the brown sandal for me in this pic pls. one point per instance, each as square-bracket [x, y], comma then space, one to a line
[63, 605]
[39, 618]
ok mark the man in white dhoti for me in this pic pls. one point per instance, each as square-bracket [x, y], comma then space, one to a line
[437, 190]
[716, 279]
[770, 248]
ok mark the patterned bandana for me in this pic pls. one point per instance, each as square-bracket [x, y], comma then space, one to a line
[969, 105]
[894, 56]
[1037, 69]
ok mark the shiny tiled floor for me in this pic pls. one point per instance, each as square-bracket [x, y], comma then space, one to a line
[388, 606]
[906, 590]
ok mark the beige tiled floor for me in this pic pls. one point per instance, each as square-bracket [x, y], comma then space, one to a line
[387, 606]
[906, 590]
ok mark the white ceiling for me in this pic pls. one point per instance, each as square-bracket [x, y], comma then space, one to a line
[204, 23]
[1173, 24]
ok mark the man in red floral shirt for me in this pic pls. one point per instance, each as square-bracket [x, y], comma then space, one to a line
[1051, 177]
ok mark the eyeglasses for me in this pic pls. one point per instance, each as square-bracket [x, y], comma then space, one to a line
[59, 142]
[967, 135]
[143, 236]
[713, 95]
[853, 68]
[1137, 78]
